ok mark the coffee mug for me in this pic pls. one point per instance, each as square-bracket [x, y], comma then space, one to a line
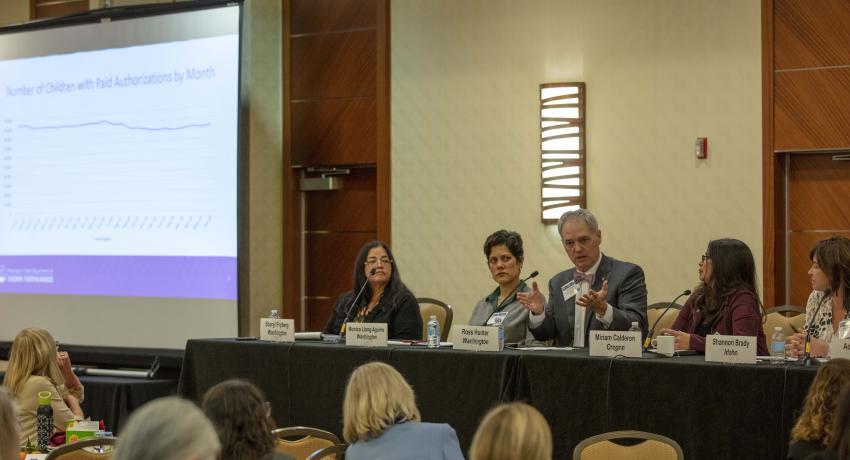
[664, 344]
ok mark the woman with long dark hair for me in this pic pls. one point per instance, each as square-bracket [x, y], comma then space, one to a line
[385, 298]
[725, 302]
[828, 303]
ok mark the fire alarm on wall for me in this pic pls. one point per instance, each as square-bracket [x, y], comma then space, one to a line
[701, 148]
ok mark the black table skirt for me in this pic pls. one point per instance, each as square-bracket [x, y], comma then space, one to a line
[712, 410]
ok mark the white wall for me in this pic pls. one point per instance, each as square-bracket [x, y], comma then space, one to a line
[659, 73]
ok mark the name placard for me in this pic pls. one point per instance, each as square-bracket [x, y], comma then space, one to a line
[366, 334]
[615, 343]
[277, 330]
[839, 348]
[730, 349]
[475, 338]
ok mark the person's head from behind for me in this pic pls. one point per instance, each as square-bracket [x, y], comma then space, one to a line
[376, 397]
[510, 431]
[168, 429]
[505, 255]
[840, 440]
[815, 422]
[9, 423]
[33, 353]
[830, 271]
[240, 414]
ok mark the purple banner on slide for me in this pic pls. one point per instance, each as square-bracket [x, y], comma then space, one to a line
[133, 276]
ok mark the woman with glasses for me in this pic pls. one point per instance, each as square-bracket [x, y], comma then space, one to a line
[828, 304]
[242, 418]
[385, 299]
[504, 253]
[37, 365]
[725, 301]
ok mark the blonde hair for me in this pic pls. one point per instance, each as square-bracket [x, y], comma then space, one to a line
[9, 422]
[33, 353]
[509, 431]
[168, 429]
[815, 423]
[376, 397]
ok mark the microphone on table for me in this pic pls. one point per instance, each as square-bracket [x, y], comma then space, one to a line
[652, 329]
[807, 357]
[502, 305]
[354, 302]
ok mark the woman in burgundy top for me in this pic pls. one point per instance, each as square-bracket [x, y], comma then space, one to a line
[725, 301]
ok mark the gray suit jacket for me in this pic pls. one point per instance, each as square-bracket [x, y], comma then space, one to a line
[419, 440]
[626, 293]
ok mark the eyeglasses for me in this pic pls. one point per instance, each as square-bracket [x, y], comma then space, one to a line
[583, 242]
[374, 262]
[704, 258]
[504, 258]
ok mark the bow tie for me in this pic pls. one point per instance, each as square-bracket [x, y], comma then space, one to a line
[578, 277]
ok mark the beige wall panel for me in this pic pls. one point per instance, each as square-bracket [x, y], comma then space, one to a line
[14, 11]
[659, 73]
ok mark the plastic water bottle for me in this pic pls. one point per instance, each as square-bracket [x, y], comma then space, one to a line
[499, 322]
[777, 346]
[433, 332]
[274, 314]
[635, 327]
[44, 420]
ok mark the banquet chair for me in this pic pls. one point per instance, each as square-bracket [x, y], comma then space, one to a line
[440, 309]
[628, 445]
[83, 450]
[774, 319]
[796, 322]
[301, 441]
[334, 452]
[655, 310]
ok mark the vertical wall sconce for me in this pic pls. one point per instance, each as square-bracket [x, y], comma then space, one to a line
[562, 149]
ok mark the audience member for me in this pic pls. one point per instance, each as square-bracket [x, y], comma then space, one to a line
[512, 431]
[838, 447]
[505, 255]
[168, 429]
[726, 300]
[9, 441]
[36, 365]
[381, 420]
[814, 428]
[827, 304]
[599, 293]
[242, 417]
[385, 298]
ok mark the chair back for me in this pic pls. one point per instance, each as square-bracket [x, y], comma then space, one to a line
[794, 315]
[438, 308]
[87, 449]
[774, 320]
[301, 441]
[628, 445]
[655, 310]
[334, 452]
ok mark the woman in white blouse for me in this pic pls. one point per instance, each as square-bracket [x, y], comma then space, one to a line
[828, 303]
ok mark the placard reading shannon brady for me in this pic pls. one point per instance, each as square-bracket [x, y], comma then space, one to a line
[730, 349]
[366, 334]
[277, 330]
[475, 338]
[839, 348]
[615, 343]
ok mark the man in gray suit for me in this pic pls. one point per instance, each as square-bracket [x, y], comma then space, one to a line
[599, 293]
